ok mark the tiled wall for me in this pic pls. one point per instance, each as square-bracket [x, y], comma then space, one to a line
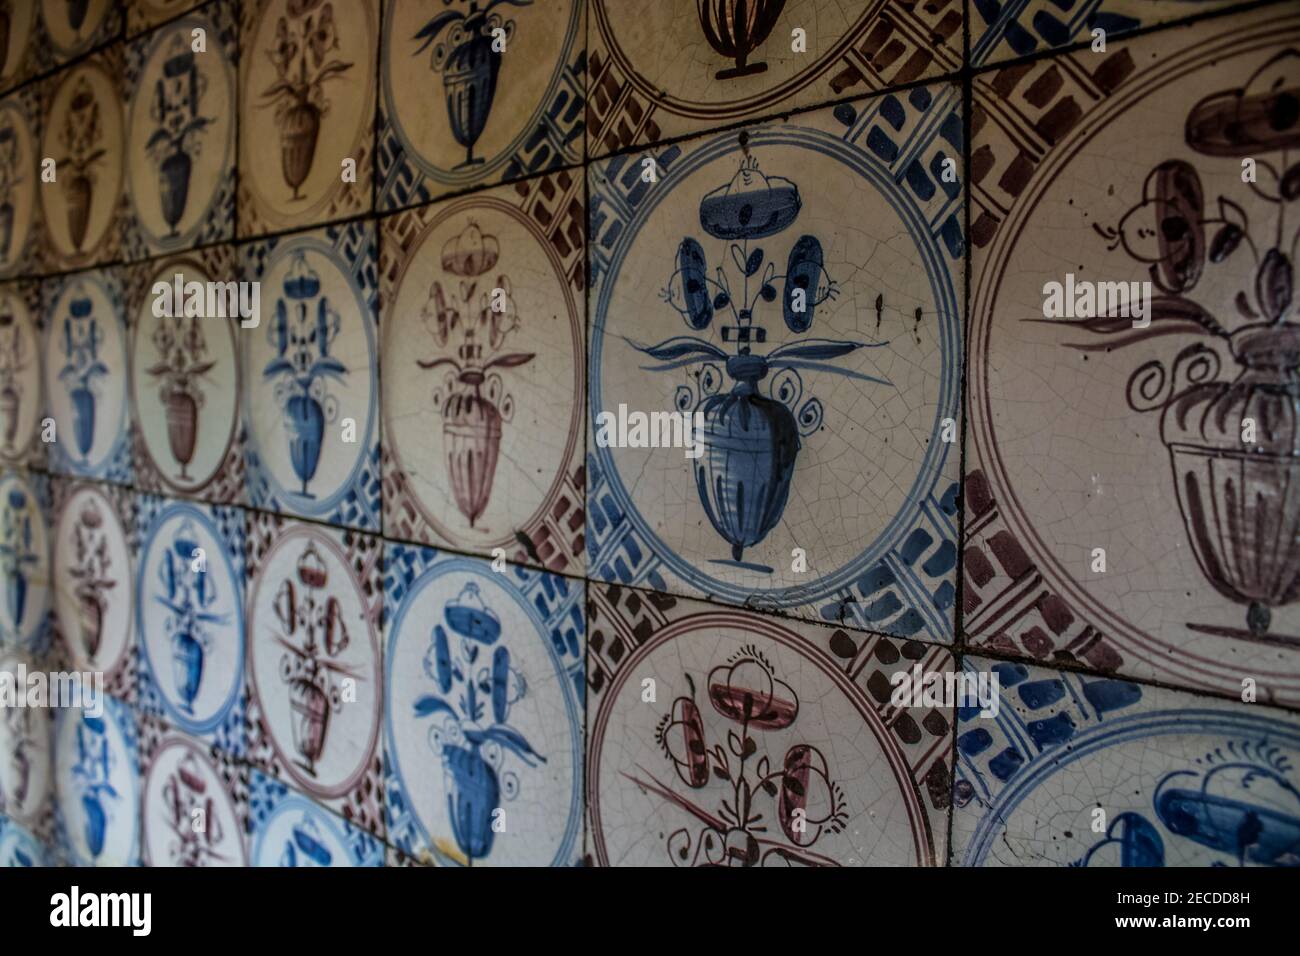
[369, 584]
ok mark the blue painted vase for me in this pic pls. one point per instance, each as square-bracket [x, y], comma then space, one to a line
[83, 418]
[469, 84]
[187, 664]
[306, 420]
[174, 187]
[474, 794]
[96, 823]
[750, 441]
[16, 594]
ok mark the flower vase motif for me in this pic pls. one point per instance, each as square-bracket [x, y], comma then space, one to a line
[90, 568]
[313, 634]
[11, 177]
[81, 341]
[17, 554]
[189, 594]
[1239, 494]
[172, 146]
[775, 810]
[1238, 801]
[304, 326]
[304, 40]
[752, 432]
[736, 28]
[472, 400]
[467, 50]
[81, 138]
[91, 771]
[182, 362]
[13, 362]
[185, 799]
[470, 732]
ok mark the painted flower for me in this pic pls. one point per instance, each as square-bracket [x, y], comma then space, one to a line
[747, 691]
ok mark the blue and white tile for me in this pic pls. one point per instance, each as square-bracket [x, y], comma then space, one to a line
[311, 377]
[20, 222]
[483, 729]
[25, 558]
[823, 357]
[462, 105]
[190, 613]
[180, 124]
[1077, 770]
[288, 829]
[97, 782]
[87, 390]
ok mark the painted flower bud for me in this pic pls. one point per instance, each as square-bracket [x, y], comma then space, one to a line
[1273, 285]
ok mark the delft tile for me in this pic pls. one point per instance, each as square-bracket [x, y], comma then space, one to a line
[97, 785]
[831, 772]
[20, 222]
[1002, 30]
[1093, 771]
[93, 583]
[25, 557]
[26, 767]
[86, 380]
[70, 28]
[826, 487]
[20, 847]
[288, 829]
[141, 15]
[180, 124]
[502, 468]
[22, 52]
[315, 678]
[306, 106]
[455, 114]
[1090, 434]
[194, 801]
[664, 70]
[311, 376]
[83, 208]
[22, 392]
[483, 727]
[190, 614]
[187, 424]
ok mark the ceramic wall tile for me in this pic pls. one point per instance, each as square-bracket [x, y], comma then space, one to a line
[70, 28]
[141, 15]
[187, 421]
[23, 54]
[97, 785]
[1092, 771]
[180, 123]
[474, 94]
[84, 133]
[190, 613]
[484, 317]
[315, 677]
[483, 725]
[1091, 433]
[822, 365]
[22, 392]
[306, 106]
[25, 558]
[86, 366]
[726, 737]
[93, 555]
[1008, 29]
[194, 801]
[311, 376]
[26, 767]
[288, 829]
[663, 70]
[20, 220]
